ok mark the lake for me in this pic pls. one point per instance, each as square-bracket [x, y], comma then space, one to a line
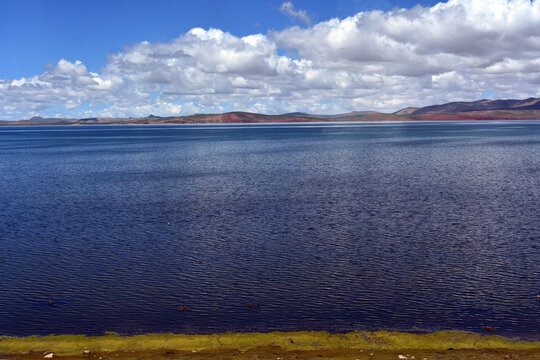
[349, 226]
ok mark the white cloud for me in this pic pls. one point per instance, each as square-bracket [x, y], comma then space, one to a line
[372, 60]
[288, 8]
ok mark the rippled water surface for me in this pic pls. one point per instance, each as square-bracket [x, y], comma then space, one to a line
[418, 226]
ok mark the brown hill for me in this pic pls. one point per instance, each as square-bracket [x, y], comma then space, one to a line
[407, 111]
[479, 115]
[236, 117]
[477, 110]
[481, 105]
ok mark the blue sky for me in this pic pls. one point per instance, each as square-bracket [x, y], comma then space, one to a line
[126, 58]
[39, 32]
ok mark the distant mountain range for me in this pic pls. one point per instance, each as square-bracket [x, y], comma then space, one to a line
[477, 110]
[481, 105]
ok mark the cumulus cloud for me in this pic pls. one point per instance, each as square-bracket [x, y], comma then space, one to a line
[66, 84]
[376, 60]
[288, 8]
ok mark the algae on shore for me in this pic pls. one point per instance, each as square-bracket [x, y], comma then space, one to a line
[285, 341]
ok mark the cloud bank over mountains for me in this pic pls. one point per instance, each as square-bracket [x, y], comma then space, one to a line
[373, 60]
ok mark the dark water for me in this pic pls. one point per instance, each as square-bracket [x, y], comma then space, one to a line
[419, 226]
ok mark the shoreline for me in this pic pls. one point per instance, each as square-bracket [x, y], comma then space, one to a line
[304, 344]
[269, 123]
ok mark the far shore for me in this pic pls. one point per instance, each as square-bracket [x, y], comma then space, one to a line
[262, 123]
[362, 345]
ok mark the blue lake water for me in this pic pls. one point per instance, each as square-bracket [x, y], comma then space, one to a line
[338, 227]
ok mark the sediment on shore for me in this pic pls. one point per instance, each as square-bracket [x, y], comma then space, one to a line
[320, 344]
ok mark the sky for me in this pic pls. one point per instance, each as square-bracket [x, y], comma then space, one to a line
[64, 58]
